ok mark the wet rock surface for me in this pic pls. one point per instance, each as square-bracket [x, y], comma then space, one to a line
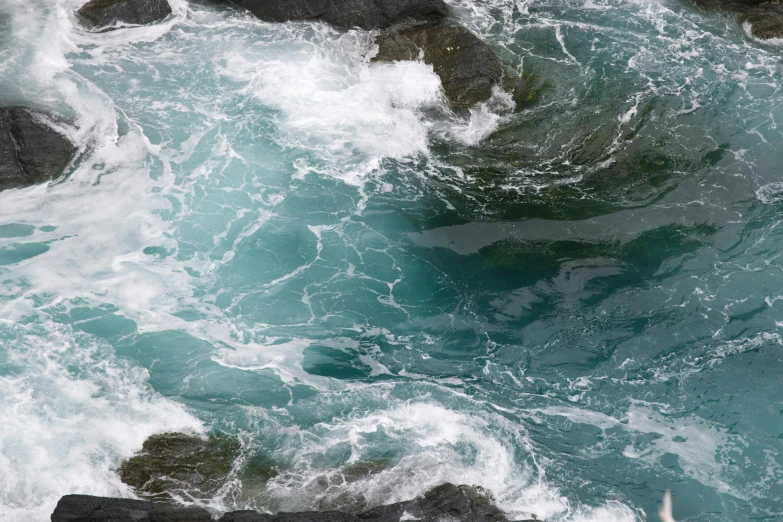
[84, 508]
[31, 151]
[726, 4]
[766, 20]
[178, 464]
[345, 14]
[444, 502]
[467, 67]
[105, 13]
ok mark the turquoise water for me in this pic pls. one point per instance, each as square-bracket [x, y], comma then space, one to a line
[576, 303]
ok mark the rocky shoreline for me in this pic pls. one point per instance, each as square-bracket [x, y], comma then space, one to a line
[32, 151]
[444, 502]
[176, 466]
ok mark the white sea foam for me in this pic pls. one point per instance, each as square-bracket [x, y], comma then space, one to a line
[71, 412]
[335, 103]
[770, 193]
[700, 446]
[435, 439]
[434, 444]
[612, 511]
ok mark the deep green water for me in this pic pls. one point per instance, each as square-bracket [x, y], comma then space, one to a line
[575, 303]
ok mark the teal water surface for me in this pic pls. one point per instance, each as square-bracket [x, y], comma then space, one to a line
[573, 302]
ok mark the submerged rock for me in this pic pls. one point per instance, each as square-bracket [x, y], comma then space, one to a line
[365, 14]
[467, 67]
[765, 20]
[176, 463]
[105, 13]
[31, 151]
[84, 508]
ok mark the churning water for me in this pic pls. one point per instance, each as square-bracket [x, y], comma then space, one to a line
[575, 304]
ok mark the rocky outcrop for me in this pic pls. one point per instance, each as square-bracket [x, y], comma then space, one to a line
[467, 67]
[108, 13]
[726, 4]
[345, 14]
[31, 151]
[184, 465]
[84, 508]
[445, 502]
[765, 20]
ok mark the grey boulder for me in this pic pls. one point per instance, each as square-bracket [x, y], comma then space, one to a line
[467, 67]
[31, 151]
[84, 508]
[345, 14]
[765, 20]
[107, 13]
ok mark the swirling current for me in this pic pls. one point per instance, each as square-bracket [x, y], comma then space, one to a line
[576, 304]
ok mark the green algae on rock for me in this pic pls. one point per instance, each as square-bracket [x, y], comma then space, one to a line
[179, 464]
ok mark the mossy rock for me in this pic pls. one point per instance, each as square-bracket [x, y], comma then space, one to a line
[467, 67]
[765, 20]
[177, 464]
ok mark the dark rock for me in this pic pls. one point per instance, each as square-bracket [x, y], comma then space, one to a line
[726, 4]
[178, 463]
[467, 67]
[445, 502]
[31, 151]
[365, 14]
[306, 516]
[105, 13]
[457, 503]
[395, 47]
[84, 508]
[766, 20]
